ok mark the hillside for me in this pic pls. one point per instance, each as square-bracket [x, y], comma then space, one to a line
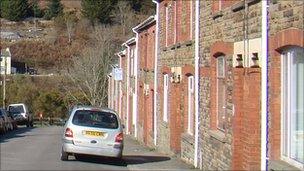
[47, 45]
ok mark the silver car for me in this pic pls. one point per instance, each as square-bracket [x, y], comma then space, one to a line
[92, 131]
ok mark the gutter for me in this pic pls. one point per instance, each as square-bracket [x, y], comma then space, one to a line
[144, 24]
[197, 27]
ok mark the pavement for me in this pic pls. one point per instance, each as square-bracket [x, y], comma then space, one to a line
[39, 149]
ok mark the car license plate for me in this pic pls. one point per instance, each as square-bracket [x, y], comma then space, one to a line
[94, 133]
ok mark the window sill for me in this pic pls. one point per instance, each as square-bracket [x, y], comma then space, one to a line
[218, 135]
[217, 14]
[188, 138]
[275, 165]
[241, 5]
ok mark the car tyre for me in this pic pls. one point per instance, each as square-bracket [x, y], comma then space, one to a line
[64, 155]
[31, 124]
[78, 157]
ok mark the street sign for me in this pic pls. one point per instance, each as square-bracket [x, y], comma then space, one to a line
[117, 73]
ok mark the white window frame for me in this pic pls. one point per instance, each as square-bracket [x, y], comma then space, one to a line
[287, 55]
[191, 19]
[167, 24]
[175, 22]
[165, 100]
[190, 129]
[132, 61]
[217, 88]
[134, 118]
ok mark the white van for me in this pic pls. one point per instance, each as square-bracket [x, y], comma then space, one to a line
[21, 114]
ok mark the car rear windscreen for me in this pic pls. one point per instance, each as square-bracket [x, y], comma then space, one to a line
[16, 109]
[98, 119]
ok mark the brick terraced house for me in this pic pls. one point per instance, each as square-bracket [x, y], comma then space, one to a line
[145, 35]
[218, 83]
[129, 73]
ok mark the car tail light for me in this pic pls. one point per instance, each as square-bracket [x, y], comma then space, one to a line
[119, 138]
[68, 133]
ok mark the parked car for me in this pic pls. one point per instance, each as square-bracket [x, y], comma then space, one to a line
[21, 114]
[2, 125]
[12, 120]
[92, 131]
[7, 123]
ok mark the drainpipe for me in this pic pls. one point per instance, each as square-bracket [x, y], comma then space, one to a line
[128, 84]
[136, 80]
[197, 4]
[119, 89]
[155, 71]
[264, 85]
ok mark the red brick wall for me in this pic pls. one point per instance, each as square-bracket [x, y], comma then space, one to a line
[246, 122]
[175, 117]
[179, 27]
[151, 48]
[183, 20]
[251, 125]
[237, 146]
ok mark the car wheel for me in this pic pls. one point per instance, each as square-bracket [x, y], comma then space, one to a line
[78, 156]
[64, 155]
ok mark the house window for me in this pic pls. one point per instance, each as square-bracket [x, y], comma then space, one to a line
[132, 62]
[175, 23]
[167, 24]
[166, 87]
[191, 19]
[292, 75]
[221, 92]
[190, 104]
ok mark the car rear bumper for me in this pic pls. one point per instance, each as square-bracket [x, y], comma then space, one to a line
[108, 152]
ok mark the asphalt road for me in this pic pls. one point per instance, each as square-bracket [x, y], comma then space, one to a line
[39, 149]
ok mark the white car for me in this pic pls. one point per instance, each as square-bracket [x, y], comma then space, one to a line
[92, 131]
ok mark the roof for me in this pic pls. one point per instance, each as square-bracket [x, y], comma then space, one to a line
[144, 24]
[121, 53]
[129, 42]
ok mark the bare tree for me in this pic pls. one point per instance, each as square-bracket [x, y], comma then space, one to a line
[125, 16]
[90, 69]
[70, 21]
